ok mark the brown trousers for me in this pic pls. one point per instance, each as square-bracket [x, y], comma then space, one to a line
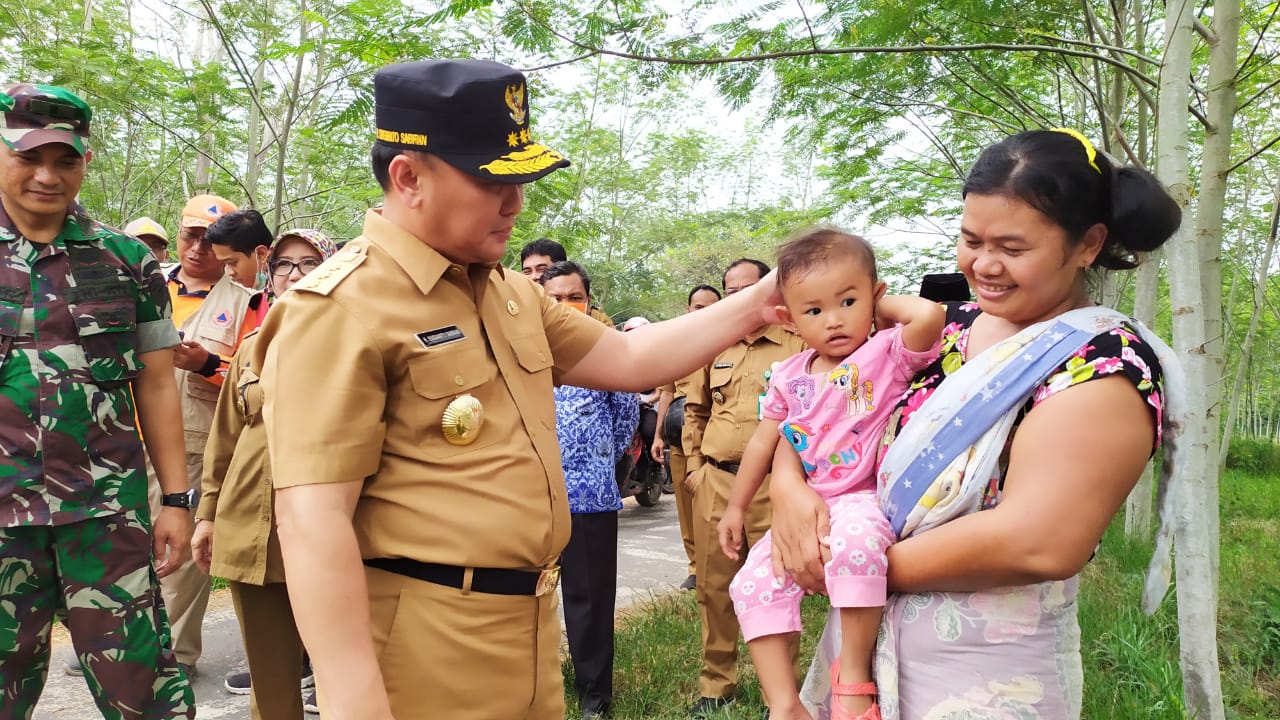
[720, 631]
[465, 655]
[684, 504]
[273, 648]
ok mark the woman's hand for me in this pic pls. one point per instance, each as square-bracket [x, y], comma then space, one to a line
[202, 545]
[801, 524]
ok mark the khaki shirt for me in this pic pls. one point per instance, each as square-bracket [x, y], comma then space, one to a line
[361, 359]
[722, 400]
[236, 489]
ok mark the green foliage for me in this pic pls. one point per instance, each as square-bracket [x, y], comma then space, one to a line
[1254, 455]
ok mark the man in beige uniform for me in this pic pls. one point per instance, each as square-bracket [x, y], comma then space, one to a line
[409, 412]
[677, 459]
[722, 410]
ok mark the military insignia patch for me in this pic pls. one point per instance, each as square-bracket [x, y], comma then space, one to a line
[514, 96]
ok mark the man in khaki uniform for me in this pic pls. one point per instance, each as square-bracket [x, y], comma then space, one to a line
[722, 410]
[411, 423]
[699, 297]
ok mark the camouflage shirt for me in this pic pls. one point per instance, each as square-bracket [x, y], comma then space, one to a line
[74, 316]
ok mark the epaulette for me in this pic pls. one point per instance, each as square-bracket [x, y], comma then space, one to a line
[325, 278]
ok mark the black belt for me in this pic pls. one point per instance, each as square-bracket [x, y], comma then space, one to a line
[495, 581]
[725, 466]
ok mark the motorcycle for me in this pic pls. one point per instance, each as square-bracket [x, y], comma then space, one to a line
[637, 473]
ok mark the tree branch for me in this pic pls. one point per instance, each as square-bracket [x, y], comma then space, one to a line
[863, 50]
[570, 61]
[813, 37]
[1254, 154]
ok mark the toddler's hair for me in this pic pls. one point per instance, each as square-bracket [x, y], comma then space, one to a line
[814, 247]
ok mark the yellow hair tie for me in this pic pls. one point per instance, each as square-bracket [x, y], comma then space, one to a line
[1088, 146]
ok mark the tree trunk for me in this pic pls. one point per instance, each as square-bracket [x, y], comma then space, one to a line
[1259, 297]
[1137, 509]
[1195, 295]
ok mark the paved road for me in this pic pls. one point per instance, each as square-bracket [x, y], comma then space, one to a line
[651, 562]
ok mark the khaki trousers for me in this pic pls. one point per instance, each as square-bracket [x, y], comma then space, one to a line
[719, 677]
[678, 464]
[463, 655]
[273, 647]
[186, 590]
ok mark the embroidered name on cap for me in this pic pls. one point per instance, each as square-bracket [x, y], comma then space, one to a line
[440, 336]
[404, 138]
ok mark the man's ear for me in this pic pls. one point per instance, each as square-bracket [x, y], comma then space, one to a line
[407, 176]
[88, 156]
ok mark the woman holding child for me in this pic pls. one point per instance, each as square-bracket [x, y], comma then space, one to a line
[1014, 449]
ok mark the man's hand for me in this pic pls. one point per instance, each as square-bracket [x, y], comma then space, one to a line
[190, 356]
[692, 480]
[172, 539]
[202, 545]
[656, 450]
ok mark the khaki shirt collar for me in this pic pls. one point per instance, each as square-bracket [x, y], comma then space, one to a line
[422, 263]
[773, 333]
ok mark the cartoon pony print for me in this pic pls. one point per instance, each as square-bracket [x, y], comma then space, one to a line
[859, 396]
[798, 435]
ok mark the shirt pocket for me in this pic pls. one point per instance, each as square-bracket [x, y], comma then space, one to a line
[718, 381]
[532, 352]
[10, 322]
[249, 395]
[108, 336]
[438, 377]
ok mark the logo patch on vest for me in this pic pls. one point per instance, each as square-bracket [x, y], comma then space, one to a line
[222, 319]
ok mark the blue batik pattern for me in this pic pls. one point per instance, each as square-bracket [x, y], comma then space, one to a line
[595, 428]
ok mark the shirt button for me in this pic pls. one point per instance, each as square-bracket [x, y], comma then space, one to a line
[457, 380]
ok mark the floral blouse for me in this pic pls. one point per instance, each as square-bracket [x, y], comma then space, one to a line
[1117, 351]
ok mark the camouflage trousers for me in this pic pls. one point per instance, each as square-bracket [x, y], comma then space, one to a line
[96, 576]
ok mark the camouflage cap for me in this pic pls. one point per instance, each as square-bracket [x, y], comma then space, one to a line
[35, 115]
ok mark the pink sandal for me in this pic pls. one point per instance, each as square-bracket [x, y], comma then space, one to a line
[846, 689]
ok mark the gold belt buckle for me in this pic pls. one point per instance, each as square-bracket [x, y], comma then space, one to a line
[547, 581]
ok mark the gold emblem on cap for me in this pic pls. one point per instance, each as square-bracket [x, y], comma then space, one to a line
[462, 420]
[533, 158]
[514, 96]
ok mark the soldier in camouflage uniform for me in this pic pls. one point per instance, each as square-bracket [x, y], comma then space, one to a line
[85, 342]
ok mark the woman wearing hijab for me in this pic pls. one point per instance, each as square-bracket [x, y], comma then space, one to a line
[235, 536]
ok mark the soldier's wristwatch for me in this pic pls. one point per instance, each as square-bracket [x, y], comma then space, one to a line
[183, 499]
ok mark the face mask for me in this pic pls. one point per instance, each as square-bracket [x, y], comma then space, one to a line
[579, 306]
[260, 277]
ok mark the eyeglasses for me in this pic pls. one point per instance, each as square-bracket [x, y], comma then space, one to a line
[284, 268]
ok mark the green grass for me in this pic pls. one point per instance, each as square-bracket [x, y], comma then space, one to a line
[1130, 660]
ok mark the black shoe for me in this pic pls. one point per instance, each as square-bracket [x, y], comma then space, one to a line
[596, 713]
[73, 667]
[237, 683]
[310, 704]
[707, 707]
[690, 583]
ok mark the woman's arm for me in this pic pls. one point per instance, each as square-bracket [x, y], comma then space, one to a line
[800, 525]
[1073, 461]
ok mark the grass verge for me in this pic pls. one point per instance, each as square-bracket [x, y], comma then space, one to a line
[1130, 660]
